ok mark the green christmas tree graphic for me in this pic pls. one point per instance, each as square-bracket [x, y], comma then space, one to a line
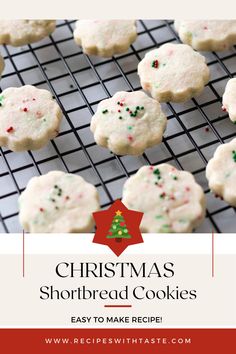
[118, 229]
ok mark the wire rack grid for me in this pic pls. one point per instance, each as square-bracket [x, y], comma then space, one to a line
[78, 83]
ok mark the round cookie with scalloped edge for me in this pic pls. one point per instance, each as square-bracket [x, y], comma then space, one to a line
[105, 37]
[207, 35]
[29, 118]
[128, 123]
[171, 200]
[173, 72]
[221, 172]
[229, 99]
[58, 202]
[22, 32]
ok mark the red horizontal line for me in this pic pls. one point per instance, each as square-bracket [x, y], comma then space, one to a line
[117, 305]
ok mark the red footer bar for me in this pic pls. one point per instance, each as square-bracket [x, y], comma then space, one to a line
[114, 340]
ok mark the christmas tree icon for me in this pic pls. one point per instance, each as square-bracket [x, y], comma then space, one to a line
[118, 229]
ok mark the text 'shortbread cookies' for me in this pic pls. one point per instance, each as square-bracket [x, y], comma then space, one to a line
[21, 32]
[128, 123]
[229, 99]
[221, 172]
[29, 118]
[105, 37]
[58, 202]
[170, 199]
[207, 35]
[173, 72]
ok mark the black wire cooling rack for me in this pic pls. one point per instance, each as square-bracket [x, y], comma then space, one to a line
[78, 83]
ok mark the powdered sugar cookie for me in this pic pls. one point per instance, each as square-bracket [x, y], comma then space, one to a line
[29, 118]
[173, 72]
[207, 35]
[58, 202]
[105, 37]
[170, 199]
[221, 172]
[229, 99]
[21, 32]
[128, 123]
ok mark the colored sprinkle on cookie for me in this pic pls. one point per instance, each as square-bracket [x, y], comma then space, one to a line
[155, 64]
[10, 130]
[234, 155]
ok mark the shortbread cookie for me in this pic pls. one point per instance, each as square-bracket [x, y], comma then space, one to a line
[58, 202]
[170, 199]
[221, 172]
[229, 99]
[173, 72]
[21, 32]
[128, 123]
[29, 118]
[105, 37]
[207, 35]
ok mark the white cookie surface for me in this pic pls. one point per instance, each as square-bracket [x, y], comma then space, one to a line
[170, 199]
[229, 99]
[221, 172]
[29, 118]
[128, 123]
[207, 35]
[21, 32]
[173, 72]
[105, 37]
[58, 202]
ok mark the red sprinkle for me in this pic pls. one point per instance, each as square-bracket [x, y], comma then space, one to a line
[25, 109]
[67, 197]
[34, 99]
[10, 129]
[205, 28]
[130, 138]
[41, 209]
[119, 110]
[207, 129]
[223, 109]
[187, 189]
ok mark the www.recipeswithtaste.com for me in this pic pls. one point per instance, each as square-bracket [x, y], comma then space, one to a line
[115, 271]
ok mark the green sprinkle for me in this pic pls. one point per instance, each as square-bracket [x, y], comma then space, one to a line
[234, 155]
[157, 171]
[142, 108]
[159, 217]
[175, 178]
[127, 109]
[105, 111]
[137, 107]
[120, 117]
[129, 127]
